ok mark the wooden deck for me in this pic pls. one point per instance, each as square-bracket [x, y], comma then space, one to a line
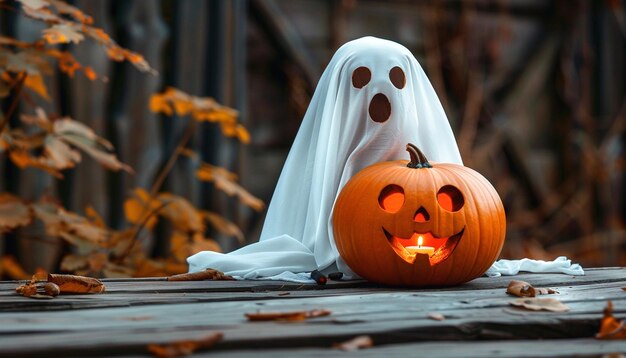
[479, 321]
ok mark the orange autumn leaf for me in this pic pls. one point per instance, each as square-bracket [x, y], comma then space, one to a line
[611, 327]
[66, 9]
[36, 84]
[287, 316]
[141, 208]
[11, 268]
[13, 212]
[90, 73]
[208, 274]
[185, 347]
[62, 33]
[201, 109]
[76, 284]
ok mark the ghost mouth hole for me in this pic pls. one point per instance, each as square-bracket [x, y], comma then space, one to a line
[380, 108]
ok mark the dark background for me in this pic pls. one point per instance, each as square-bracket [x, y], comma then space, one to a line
[534, 91]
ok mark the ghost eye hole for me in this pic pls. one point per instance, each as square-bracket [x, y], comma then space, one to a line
[396, 75]
[391, 198]
[450, 198]
[361, 76]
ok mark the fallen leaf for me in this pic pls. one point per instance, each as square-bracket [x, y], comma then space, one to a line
[27, 290]
[186, 347]
[287, 316]
[611, 327]
[355, 344]
[76, 284]
[520, 289]
[538, 304]
[525, 289]
[208, 274]
[436, 316]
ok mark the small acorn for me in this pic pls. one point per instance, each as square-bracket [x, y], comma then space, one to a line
[51, 289]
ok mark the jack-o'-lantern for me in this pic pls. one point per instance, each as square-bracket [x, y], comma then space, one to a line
[418, 223]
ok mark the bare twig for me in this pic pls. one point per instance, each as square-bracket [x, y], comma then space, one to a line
[14, 103]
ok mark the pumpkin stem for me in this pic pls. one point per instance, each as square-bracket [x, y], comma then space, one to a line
[418, 159]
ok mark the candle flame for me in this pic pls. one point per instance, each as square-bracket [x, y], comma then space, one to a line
[420, 240]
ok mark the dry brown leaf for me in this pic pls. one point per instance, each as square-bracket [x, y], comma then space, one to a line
[539, 304]
[28, 289]
[66, 9]
[611, 327]
[223, 225]
[76, 284]
[13, 213]
[225, 181]
[525, 289]
[286, 316]
[208, 274]
[436, 316]
[35, 4]
[183, 215]
[186, 347]
[520, 289]
[355, 344]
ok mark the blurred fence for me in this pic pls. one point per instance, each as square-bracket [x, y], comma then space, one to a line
[534, 91]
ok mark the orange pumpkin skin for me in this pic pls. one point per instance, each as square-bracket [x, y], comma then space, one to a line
[371, 226]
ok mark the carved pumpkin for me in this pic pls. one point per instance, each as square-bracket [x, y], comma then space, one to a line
[419, 224]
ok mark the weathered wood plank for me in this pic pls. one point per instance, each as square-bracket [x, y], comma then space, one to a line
[550, 348]
[134, 313]
[389, 317]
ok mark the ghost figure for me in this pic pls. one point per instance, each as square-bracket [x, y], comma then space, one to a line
[372, 99]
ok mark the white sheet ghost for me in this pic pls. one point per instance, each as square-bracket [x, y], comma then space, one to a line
[372, 99]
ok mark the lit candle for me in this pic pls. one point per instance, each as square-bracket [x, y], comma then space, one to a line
[419, 249]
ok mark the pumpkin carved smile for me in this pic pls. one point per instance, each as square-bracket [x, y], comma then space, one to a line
[443, 246]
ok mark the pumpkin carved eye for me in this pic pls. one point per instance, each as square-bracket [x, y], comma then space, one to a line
[361, 76]
[396, 75]
[450, 198]
[391, 198]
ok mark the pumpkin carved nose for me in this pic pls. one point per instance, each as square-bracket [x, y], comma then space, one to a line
[421, 215]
